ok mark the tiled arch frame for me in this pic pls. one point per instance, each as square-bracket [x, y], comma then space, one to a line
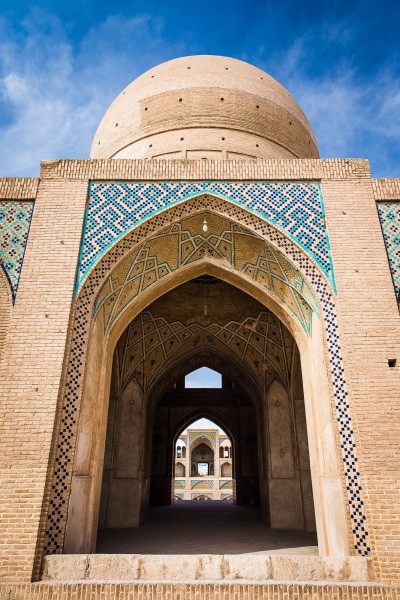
[55, 513]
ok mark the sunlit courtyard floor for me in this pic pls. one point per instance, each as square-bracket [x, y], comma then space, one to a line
[205, 527]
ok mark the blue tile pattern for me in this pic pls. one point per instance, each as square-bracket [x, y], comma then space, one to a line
[389, 215]
[15, 219]
[58, 507]
[115, 208]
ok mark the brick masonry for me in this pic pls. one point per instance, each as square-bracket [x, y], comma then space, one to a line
[196, 591]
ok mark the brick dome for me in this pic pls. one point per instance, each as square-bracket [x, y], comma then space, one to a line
[204, 107]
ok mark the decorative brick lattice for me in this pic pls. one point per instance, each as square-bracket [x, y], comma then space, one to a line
[116, 208]
[153, 343]
[58, 506]
[15, 219]
[389, 215]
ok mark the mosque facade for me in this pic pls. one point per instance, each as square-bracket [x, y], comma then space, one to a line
[204, 230]
[203, 466]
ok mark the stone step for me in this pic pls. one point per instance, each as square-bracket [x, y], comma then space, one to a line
[205, 567]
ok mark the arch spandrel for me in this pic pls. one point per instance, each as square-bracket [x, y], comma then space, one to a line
[15, 221]
[293, 208]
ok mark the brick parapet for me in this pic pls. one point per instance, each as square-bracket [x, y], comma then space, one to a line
[386, 189]
[18, 188]
[179, 169]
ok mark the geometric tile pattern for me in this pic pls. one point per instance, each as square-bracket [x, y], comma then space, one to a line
[184, 243]
[57, 510]
[389, 215]
[116, 208]
[15, 219]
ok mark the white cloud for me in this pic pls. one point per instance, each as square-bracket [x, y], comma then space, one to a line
[53, 95]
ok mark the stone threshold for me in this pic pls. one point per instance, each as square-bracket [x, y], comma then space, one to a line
[205, 567]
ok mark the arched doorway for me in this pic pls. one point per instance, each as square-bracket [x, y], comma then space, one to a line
[110, 323]
[265, 416]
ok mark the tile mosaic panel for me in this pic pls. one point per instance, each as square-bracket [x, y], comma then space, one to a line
[389, 215]
[116, 208]
[15, 219]
[57, 510]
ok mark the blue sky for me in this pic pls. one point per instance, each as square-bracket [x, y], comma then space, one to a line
[62, 63]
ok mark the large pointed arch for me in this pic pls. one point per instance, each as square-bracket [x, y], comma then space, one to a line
[90, 344]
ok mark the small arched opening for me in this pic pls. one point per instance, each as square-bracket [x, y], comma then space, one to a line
[203, 466]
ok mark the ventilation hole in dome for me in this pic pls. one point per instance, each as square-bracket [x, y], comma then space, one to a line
[152, 76]
[180, 99]
[150, 145]
[181, 139]
[116, 124]
[98, 143]
[290, 122]
[222, 99]
[261, 77]
[257, 145]
[189, 67]
[145, 108]
[257, 106]
[226, 68]
[223, 139]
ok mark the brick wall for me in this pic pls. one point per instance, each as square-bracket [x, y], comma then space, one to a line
[370, 326]
[30, 371]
